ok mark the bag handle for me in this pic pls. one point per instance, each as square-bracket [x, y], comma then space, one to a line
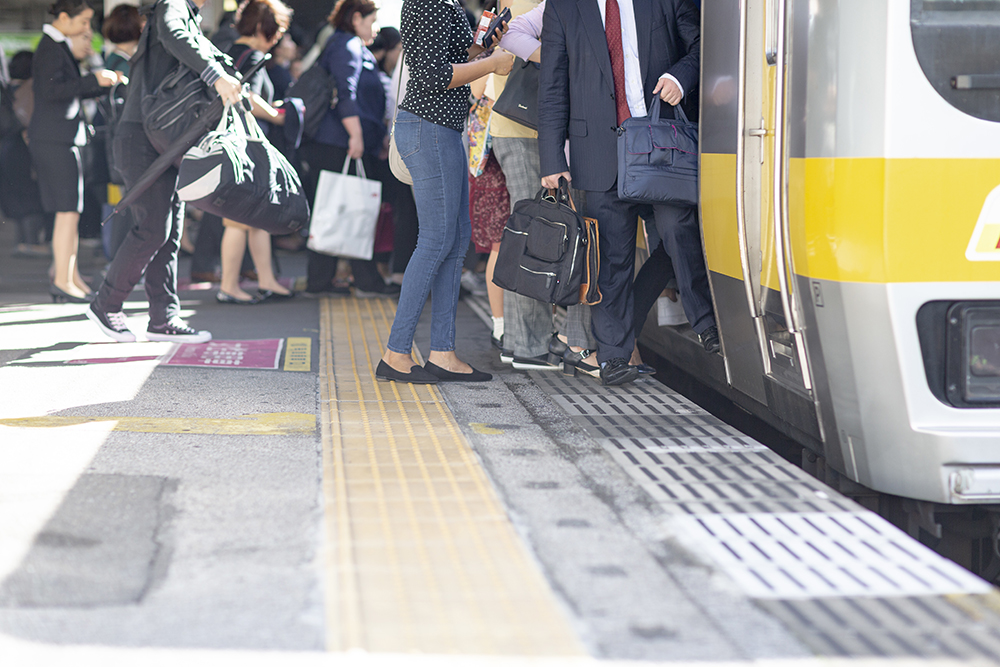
[560, 195]
[655, 109]
[360, 166]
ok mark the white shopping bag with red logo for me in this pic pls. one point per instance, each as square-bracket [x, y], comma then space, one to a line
[345, 213]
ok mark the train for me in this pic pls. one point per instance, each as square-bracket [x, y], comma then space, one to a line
[850, 212]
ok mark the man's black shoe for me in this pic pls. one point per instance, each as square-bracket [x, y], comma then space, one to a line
[710, 339]
[618, 371]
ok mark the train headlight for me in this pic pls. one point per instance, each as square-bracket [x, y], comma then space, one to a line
[973, 375]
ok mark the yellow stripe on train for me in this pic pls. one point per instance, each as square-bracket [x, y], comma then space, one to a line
[873, 220]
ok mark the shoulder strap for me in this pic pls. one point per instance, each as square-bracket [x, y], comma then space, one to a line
[243, 58]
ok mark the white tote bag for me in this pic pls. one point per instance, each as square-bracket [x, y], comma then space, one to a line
[345, 213]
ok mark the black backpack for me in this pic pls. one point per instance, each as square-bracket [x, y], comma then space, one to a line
[318, 93]
[549, 251]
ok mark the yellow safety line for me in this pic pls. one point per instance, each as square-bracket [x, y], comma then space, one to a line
[425, 556]
[342, 602]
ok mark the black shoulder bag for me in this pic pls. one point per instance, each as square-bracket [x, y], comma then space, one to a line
[519, 99]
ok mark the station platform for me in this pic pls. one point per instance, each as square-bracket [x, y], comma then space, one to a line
[265, 501]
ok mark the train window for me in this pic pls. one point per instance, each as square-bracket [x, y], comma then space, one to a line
[957, 43]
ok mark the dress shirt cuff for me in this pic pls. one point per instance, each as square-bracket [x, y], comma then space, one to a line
[212, 73]
[674, 79]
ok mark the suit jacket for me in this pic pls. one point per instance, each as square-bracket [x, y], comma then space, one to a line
[576, 94]
[58, 87]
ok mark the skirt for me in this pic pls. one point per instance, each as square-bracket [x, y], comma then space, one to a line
[60, 176]
[489, 205]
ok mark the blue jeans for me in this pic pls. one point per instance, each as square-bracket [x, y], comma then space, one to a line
[437, 160]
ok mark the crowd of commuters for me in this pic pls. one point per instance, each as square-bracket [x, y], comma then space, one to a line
[598, 67]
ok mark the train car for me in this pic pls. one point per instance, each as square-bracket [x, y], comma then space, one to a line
[850, 203]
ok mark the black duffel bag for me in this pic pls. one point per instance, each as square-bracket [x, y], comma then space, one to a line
[550, 252]
[235, 172]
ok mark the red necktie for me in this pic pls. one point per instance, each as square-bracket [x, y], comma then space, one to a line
[613, 32]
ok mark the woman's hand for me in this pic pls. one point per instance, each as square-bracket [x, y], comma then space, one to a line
[355, 147]
[106, 77]
[502, 62]
[229, 89]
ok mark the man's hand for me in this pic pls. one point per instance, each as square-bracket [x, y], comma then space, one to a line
[669, 91]
[229, 89]
[552, 180]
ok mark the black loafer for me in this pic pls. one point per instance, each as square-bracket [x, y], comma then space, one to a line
[447, 376]
[557, 350]
[497, 342]
[618, 371]
[417, 375]
[710, 339]
[645, 369]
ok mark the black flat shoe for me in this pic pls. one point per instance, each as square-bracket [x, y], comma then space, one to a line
[645, 369]
[222, 297]
[268, 295]
[417, 375]
[59, 296]
[447, 376]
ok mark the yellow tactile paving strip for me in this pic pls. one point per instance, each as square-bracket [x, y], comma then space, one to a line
[421, 555]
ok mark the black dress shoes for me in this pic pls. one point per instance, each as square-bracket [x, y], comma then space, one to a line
[645, 369]
[618, 371]
[710, 339]
[443, 375]
[417, 375]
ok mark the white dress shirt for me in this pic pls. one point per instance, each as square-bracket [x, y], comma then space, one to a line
[630, 45]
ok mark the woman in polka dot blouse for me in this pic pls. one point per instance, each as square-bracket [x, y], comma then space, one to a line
[437, 44]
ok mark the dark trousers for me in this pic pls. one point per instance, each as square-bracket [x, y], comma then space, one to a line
[614, 317]
[649, 283]
[320, 268]
[151, 245]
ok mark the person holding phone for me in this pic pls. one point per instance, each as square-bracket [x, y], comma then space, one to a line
[57, 134]
[437, 44]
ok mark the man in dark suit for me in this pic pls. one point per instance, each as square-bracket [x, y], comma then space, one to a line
[602, 60]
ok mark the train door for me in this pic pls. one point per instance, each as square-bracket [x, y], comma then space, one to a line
[762, 195]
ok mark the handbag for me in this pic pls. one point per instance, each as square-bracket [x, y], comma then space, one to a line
[549, 251]
[345, 213]
[234, 172]
[396, 164]
[658, 159]
[519, 99]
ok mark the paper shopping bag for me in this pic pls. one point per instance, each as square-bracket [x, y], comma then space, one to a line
[345, 213]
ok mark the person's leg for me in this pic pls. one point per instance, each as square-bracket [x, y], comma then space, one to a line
[260, 250]
[161, 273]
[420, 145]
[495, 293]
[681, 234]
[649, 283]
[207, 248]
[234, 245]
[65, 244]
[153, 211]
[321, 269]
[613, 316]
[527, 322]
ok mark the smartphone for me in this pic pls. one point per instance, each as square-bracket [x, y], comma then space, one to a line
[503, 17]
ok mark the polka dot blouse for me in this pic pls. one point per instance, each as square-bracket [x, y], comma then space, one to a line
[436, 35]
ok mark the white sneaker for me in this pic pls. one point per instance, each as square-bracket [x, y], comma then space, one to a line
[111, 324]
